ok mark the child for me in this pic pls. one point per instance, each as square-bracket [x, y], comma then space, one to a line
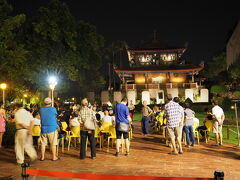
[74, 120]
[106, 117]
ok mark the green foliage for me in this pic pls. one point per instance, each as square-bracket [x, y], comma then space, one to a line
[215, 66]
[53, 42]
[218, 89]
[236, 94]
[226, 103]
[234, 70]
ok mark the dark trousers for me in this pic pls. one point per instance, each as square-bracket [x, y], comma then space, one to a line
[35, 140]
[200, 129]
[90, 136]
[145, 122]
[189, 134]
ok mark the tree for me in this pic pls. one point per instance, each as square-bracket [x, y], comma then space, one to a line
[234, 70]
[215, 66]
[61, 46]
[12, 51]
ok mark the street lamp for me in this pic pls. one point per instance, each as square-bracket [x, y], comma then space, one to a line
[3, 87]
[52, 83]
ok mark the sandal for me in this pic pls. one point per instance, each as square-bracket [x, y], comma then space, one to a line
[56, 159]
[173, 153]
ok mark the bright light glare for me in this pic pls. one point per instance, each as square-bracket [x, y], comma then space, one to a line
[3, 86]
[52, 82]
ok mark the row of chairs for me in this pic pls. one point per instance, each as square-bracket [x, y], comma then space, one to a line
[74, 134]
[160, 125]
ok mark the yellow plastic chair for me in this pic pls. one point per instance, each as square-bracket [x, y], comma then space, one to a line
[64, 127]
[112, 132]
[74, 133]
[130, 132]
[62, 140]
[209, 126]
[36, 131]
[98, 136]
[196, 133]
[105, 127]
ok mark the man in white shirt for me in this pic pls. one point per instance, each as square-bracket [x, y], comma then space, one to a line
[218, 118]
[23, 136]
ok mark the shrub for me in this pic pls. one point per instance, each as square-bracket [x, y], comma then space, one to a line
[215, 89]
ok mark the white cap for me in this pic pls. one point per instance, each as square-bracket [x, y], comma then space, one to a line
[47, 100]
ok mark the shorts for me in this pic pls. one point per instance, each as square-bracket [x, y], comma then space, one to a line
[216, 127]
[49, 137]
[174, 132]
[120, 133]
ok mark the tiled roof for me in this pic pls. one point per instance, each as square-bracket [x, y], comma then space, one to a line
[155, 45]
[161, 69]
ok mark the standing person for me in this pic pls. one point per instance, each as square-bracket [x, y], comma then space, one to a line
[36, 127]
[49, 129]
[218, 118]
[174, 116]
[122, 116]
[2, 122]
[146, 113]
[188, 125]
[182, 118]
[23, 136]
[131, 108]
[87, 120]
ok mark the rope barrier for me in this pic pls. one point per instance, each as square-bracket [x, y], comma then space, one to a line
[26, 172]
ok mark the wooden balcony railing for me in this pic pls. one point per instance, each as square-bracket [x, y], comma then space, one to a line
[158, 86]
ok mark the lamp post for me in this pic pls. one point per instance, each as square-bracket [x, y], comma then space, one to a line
[52, 83]
[3, 87]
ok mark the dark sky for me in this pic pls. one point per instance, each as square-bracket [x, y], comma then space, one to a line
[204, 24]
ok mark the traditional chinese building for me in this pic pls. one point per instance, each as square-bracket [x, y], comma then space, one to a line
[155, 69]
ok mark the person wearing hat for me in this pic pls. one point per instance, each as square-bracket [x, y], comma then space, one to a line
[49, 127]
[87, 120]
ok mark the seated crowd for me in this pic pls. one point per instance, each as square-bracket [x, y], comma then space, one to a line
[49, 125]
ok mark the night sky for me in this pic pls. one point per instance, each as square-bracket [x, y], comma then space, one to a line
[204, 24]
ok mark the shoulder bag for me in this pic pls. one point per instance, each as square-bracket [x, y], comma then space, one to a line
[122, 126]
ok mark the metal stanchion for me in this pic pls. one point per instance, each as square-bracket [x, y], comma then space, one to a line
[218, 175]
[24, 167]
[236, 117]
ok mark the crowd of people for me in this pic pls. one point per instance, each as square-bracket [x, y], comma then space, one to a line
[174, 116]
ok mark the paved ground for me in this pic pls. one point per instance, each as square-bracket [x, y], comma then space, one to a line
[149, 157]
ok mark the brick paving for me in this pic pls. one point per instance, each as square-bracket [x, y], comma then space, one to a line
[149, 157]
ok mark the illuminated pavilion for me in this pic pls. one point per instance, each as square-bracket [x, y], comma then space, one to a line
[155, 69]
